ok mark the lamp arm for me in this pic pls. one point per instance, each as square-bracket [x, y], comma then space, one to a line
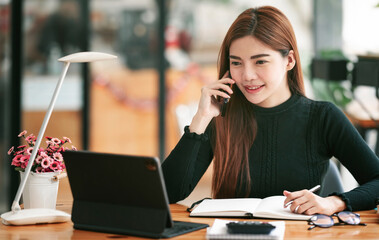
[15, 204]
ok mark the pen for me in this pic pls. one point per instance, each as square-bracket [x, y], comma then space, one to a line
[314, 189]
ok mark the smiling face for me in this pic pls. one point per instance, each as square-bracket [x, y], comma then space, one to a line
[260, 72]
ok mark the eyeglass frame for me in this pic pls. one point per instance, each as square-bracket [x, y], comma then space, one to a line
[340, 221]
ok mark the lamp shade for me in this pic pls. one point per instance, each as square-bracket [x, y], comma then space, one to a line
[86, 57]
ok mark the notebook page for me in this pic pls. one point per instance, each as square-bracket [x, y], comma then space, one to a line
[272, 207]
[226, 206]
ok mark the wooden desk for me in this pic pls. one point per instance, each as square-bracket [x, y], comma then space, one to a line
[294, 229]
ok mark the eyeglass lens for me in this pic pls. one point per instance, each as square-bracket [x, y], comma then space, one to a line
[349, 217]
[322, 220]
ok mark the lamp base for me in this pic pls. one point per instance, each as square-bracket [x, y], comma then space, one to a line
[34, 216]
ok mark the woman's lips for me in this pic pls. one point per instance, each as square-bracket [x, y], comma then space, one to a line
[254, 89]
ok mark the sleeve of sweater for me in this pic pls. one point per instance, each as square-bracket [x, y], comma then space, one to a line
[186, 164]
[346, 144]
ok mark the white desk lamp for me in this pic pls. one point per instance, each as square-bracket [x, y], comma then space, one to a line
[45, 215]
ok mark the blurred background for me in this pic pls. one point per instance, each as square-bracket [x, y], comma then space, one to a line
[167, 50]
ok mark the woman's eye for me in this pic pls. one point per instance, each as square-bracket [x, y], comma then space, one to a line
[235, 63]
[261, 61]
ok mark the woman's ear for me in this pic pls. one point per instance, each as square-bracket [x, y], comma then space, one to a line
[291, 60]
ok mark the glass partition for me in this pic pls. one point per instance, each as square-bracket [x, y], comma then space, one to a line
[52, 29]
[124, 112]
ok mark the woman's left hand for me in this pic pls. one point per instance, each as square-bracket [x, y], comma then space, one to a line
[305, 202]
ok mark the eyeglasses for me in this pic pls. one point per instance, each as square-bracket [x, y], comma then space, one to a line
[325, 221]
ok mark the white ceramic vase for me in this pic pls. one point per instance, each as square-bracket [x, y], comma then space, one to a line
[41, 190]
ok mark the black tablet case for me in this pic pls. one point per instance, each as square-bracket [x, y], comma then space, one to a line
[118, 194]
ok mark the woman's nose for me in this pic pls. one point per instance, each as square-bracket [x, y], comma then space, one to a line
[249, 73]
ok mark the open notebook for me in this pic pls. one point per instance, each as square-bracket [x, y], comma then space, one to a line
[270, 207]
[121, 194]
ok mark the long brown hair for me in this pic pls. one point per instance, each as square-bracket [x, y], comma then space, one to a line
[234, 134]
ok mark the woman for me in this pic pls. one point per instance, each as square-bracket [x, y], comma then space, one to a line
[272, 139]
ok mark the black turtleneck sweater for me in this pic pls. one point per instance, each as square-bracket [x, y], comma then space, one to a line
[294, 143]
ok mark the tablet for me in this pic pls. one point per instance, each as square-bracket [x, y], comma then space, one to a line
[121, 194]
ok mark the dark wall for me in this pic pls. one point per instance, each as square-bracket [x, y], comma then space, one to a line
[4, 121]
[3, 143]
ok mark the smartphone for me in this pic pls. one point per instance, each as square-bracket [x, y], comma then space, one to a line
[224, 102]
[223, 106]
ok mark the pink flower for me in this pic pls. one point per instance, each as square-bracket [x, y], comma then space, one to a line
[38, 159]
[24, 158]
[45, 163]
[58, 156]
[74, 148]
[16, 161]
[30, 139]
[24, 164]
[62, 166]
[22, 133]
[29, 151]
[54, 166]
[22, 146]
[10, 150]
[17, 158]
[66, 139]
[56, 141]
[39, 169]
[16, 164]
[44, 155]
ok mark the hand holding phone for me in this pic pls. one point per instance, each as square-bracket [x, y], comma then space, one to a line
[210, 103]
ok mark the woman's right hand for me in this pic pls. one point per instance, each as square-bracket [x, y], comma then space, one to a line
[209, 106]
